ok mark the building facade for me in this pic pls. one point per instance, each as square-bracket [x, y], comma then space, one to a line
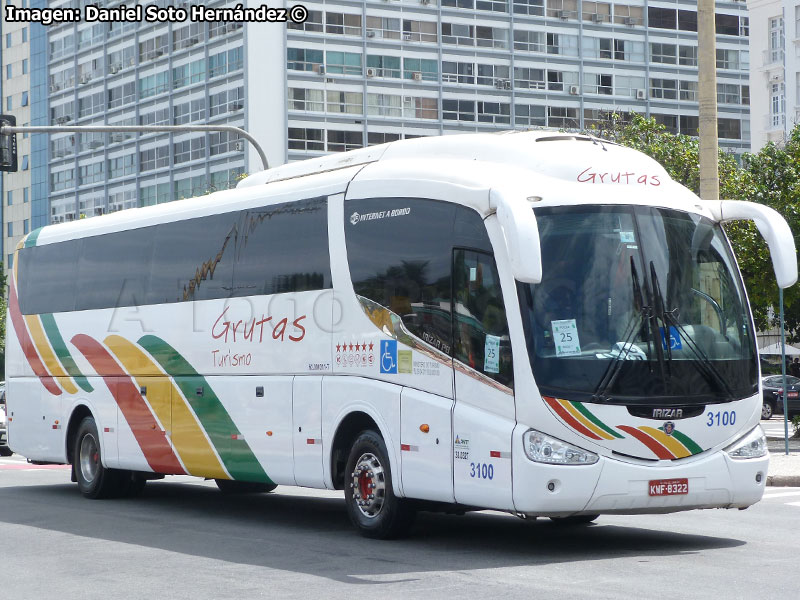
[354, 73]
[16, 99]
[774, 70]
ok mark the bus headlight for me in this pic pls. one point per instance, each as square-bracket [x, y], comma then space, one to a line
[753, 445]
[545, 449]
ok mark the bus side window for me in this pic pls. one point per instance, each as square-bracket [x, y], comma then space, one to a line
[399, 251]
[480, 326]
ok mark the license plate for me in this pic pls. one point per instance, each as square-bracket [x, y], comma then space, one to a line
[669, 487]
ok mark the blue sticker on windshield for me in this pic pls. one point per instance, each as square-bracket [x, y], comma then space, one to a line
[674, 339]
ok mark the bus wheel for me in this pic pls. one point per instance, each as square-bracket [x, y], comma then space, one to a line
[766, 411]
[94, 480]
[228, 486]
[371, 504]
[575, 520]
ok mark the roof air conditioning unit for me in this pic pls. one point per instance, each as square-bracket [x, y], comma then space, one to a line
[370, 33]
[113, 69]
[320, 69]
[597, 18]
[641, 95]
[407, 37]
[629, 21]
[85, 79]
[506, 84]
[562, 14]
[372, 71]
[407, 99]
[574, 90]
[238, 146]
[417, 76]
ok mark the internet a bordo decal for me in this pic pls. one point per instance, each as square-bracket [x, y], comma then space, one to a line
[664, 445]
[210, 443]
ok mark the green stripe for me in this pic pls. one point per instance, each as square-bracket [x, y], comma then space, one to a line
[236, 455]
[586, 413]
[57, 342]
[32, 237]
[690, 444]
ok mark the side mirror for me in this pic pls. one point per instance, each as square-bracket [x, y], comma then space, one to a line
[521, 233]
[774, 229]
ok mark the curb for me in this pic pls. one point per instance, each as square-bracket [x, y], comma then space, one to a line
[783, 480]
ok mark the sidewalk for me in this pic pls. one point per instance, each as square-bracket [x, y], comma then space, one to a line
[784, 470]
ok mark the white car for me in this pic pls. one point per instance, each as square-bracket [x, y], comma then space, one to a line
[4, 449]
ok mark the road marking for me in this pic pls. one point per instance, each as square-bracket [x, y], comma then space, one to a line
[793, 504]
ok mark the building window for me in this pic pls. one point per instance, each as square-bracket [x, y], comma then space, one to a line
[343, 63]
[306, 139]
[664, 88]
[494, 112]
[458, 72]
[25, 193]
[530, 115]
[384, 66]
[776, 39]
[529, 7]
[10, 229]
[345, 102]
[342, 141]
[10, 197]
[25, 162]
[300, 59]
[10, 261]
[458, 110]
[342, 24]
[25, 227]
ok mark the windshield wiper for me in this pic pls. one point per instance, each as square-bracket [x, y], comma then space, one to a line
[668, 319]
[641, 312]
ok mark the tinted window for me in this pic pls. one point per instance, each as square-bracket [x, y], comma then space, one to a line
[481, 329]
[283, 248]
[51, 285]
[275, 249]
[193, 259]
[400, 254]
[114, 269]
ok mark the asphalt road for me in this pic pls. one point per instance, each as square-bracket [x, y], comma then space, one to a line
[184, 539]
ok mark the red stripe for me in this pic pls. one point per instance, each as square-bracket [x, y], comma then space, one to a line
[27, 344]
[311, 441]
[658, 449]
[569, 419]
[151, 439]
[494, 454]
[405, 448]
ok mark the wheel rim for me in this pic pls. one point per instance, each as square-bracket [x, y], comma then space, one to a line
[369, 485]
[766, 411]
[89, 458]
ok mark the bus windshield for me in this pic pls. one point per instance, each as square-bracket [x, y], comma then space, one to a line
[637, 305]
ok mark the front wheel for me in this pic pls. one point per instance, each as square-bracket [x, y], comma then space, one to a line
[5, 451]
[371, 504]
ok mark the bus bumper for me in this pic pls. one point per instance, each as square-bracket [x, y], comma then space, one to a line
[615, 487]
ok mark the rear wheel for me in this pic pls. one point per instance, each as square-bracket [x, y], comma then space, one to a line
[371, 504]
[229, 486]
[94, 480]
[766, 410]
[5, 452]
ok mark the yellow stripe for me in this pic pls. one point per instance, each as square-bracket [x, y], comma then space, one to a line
[48, 356]
[584, 421]
[188, 437]
[673, 445]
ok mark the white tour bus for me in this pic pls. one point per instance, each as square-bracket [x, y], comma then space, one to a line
[538, 323]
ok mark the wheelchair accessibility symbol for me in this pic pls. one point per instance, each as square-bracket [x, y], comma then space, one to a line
[388, 360]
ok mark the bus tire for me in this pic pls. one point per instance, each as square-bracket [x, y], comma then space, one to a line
[371, 503]
[5, 452]
[574, 520]
[228, 486]
[767, 411]
[94, 480]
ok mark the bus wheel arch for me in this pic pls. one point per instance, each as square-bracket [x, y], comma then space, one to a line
[346, 434]
[76, 418]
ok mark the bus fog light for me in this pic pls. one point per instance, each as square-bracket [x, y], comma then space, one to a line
[753, 445]
[545, 449]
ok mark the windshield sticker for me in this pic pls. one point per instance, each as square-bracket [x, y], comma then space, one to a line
[461, 447]
[565, 335]
[491, 354]
[674, 339]
[626, 237]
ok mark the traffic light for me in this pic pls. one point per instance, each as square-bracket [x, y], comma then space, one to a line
[8, 145]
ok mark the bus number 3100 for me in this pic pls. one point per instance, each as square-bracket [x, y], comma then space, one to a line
[723, 418]
[481, 471]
